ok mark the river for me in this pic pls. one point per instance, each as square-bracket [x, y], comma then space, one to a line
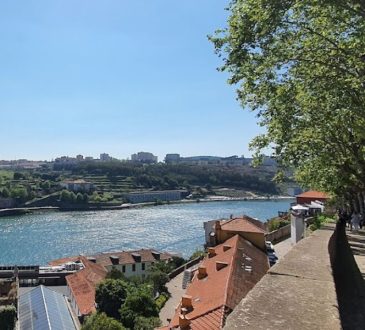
[40, 237]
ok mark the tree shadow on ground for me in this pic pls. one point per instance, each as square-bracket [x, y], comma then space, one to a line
[349, 281]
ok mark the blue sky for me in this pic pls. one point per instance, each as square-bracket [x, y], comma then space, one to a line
[116, 76]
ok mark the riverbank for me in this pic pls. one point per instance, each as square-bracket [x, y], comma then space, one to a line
[25, 210]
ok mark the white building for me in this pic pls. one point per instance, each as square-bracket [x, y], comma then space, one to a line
[144, 157]
[77, 185]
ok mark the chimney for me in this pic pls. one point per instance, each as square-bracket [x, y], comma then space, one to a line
[202, 272]
[156, 255]
[226, 248]
[220, 264]
[211, 252]
[114, 260]
[187, 302]
[183, 322]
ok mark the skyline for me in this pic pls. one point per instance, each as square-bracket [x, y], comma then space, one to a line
[87, 78]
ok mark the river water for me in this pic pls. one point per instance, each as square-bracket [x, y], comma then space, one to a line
[40, 237]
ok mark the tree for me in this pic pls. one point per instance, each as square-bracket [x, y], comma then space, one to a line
[115, 274]
[300, 65]
[99, 321]
[7, 317]
[5, 192]
[65, 196]
[146, 323]
[110, 296]
[138, 303]
[79, 198]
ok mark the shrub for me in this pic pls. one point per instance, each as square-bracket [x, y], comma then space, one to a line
[161, 300]
[7, 317]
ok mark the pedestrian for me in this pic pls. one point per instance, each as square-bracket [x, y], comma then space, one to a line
[355, 221]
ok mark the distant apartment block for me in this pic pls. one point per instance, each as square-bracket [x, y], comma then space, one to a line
[232, 161]
[144, 157]
[153, 196]
[105, 157]
[78, 185]
[207, 160]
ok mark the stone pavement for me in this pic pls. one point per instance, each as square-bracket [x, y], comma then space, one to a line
[176, 291]
[298, 293]
[282, 248]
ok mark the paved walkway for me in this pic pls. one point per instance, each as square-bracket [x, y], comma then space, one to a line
[176, 291]
[297, 293]
[282, 248]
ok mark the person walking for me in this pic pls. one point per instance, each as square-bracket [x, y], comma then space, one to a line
[355, 221]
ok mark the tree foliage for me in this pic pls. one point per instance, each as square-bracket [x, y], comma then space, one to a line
[110, 296]
[99, 321]
[7, 317]
[138, 303]
[300, 65]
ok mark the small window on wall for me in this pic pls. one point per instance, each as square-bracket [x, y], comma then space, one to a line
[143, 266]
[123, 269]
[134, 267]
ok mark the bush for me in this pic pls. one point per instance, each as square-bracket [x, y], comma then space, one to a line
[7, 317]
[100, 321]
[146, 323]
[277, 223]
[110, 296]
[161, 300]
[319, 221]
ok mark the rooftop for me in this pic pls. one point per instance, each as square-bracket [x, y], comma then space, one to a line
[222, 280]
[43, 308]
[313, 194]
[125, 257]
[243, 224]
[83, 283]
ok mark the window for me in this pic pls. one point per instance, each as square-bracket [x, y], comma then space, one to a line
[123, 269]
[143, 266]
[134, 267]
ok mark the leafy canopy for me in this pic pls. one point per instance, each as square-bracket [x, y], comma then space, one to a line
[300, 65]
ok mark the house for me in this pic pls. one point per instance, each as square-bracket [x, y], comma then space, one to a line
[130, 263]
[81, 286]
[218, 231]
[224, 277]
[311, 196]
[78, 185]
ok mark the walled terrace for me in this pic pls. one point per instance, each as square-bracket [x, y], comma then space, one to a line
[317, 285]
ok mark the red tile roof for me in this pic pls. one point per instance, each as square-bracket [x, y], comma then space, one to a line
[83, 283]
[313, 194]
[125, 257]
[216, 294]
[243, 224]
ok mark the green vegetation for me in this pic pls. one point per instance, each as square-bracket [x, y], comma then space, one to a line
[161, 300]
[319, 221]
[197, 254]
[99, 321]
[300, 65]
[7, 317]
[110, 295]
[276, 223]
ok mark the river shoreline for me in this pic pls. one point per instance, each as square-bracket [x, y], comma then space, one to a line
[25, 210]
